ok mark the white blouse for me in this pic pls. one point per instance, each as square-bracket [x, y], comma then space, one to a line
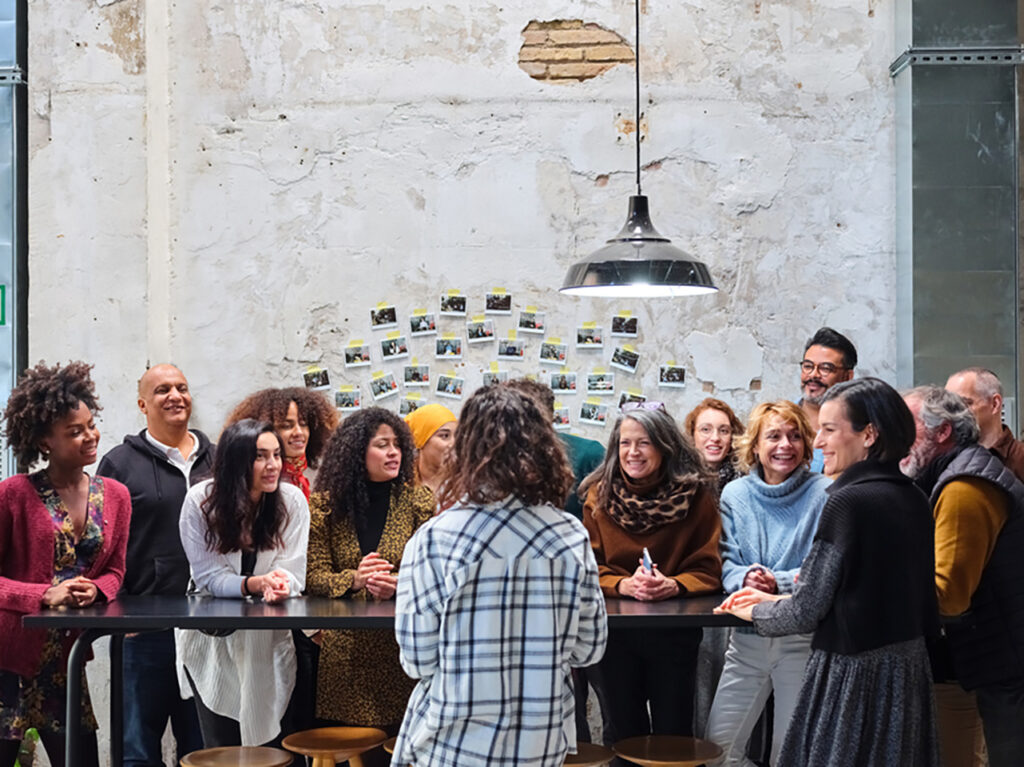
[249, 675]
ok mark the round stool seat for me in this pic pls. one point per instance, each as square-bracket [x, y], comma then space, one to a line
[389, 744]
[667, 750]
[237, 756]
[589, 755]
[329, 745]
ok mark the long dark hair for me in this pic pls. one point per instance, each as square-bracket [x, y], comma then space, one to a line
[232, 522]
[342, 473]
[506, 445]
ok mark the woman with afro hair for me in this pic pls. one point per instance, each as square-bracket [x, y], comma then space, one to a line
[302, 418]
[364, 509]
[62, 544]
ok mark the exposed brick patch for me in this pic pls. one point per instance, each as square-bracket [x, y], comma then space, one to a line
[569, 49]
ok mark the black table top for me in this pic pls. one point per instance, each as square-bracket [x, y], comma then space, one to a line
[129, 614]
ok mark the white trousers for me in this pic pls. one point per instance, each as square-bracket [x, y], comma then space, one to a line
[754, 666]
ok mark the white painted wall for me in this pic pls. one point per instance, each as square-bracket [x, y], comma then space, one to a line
[231, 186]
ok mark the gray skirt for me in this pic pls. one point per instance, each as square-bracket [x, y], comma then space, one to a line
[873, 709]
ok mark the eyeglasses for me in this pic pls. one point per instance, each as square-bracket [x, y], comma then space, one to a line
[708, 429]
[825, 368]
[648, 405]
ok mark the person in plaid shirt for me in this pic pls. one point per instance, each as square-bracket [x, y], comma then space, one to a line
[498, 597]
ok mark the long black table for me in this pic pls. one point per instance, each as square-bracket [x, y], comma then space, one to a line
[134, 614]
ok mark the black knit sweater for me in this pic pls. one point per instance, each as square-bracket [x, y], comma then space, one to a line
[881, 525]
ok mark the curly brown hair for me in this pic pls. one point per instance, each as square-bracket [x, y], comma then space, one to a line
[42, 397]
[343, 474]
[272, 405]
[505, 445]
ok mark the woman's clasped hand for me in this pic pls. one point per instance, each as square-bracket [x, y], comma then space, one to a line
[741, 603]
[375, 575]
[74, 592]
[273, 586]
[645, 586]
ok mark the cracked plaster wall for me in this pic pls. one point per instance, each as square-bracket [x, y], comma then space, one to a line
[318, 157]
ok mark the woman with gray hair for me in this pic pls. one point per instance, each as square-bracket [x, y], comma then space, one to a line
[652, 495]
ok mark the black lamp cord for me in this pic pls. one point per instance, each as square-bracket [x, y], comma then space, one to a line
[637, 4]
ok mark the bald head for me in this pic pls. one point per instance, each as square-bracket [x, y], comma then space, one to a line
[983, 393]
[165, 400]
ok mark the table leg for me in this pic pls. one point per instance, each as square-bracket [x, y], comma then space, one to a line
[116, 701]
[73, 705]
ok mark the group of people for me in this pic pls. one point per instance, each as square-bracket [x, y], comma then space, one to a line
[841, 527]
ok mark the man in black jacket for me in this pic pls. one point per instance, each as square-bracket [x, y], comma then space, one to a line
[158, 465]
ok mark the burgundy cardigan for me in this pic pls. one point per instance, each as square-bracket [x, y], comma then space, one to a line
[26, 564]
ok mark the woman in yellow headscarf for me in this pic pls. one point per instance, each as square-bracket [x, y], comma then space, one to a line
[433, 433]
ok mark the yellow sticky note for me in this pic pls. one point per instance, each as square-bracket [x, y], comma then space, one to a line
[418, 312]
[378, 374]
[499, 291]
[532, 309]
[382, 304]
[478, 318]
[589, 325]
[512, 335]
[356, 342]
[394, 334]
[494, 367]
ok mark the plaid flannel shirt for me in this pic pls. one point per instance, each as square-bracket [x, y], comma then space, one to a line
[494, 605]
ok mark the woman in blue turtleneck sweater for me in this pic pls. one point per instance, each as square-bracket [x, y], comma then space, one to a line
[768, 522]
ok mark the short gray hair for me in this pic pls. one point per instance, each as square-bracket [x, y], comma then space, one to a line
[986, 383]
[939, 406]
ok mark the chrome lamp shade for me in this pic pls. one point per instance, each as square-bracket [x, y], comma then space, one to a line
[638, 262]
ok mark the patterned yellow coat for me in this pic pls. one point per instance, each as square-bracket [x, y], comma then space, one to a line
[360, 681]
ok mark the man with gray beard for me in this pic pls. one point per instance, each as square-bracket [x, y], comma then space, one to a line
[829, 358]
[978, 506]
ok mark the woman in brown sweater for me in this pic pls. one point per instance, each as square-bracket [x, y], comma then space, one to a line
[651, 492]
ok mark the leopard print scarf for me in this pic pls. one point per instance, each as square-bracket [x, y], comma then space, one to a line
[635, 513]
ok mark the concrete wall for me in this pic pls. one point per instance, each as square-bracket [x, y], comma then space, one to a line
[232, 186]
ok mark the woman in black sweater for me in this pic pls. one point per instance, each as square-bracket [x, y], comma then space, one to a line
[867, 591]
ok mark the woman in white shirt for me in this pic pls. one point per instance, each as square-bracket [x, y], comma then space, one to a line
[244, 533]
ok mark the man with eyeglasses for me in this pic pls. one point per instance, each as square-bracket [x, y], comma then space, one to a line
[829, 358]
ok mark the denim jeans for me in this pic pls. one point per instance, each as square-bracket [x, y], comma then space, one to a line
[151, 697]
[1002, 717]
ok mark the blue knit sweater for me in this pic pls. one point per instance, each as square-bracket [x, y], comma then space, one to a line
[769, 525]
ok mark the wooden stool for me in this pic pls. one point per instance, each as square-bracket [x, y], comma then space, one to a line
[667, 750]
[237, 756]
[330, 745]
[589, 755]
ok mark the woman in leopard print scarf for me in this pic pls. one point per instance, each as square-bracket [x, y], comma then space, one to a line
[652, 491]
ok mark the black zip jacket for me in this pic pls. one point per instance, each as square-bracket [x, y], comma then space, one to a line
[156, 562]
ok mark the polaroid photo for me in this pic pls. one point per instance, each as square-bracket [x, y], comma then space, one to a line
[563, 383]
[494, 377]
[409, 404]
[589, 338]
[453, 306]
[623, 359]
[357, 356]
[347, 400]
[531, 322]
[561, 422]
[450, 386]
[394, 348]
[511, 349]
[552, 353]
[384, 386]
[625, 326]
[383, 317]
[626, 396]
[416, 376]
[498, 303]
[595, 413]
[317, 378]
[423, 324]
[479, 332]
[601, 384]
[448, 348]
[672, 376]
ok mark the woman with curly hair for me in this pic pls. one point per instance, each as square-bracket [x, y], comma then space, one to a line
[363, 511]
[713, 427]
[504, 556]
[63, 536]
[302, 418]
[652, 492]
[245, 534]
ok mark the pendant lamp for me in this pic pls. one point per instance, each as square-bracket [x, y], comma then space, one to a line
[638, 262]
